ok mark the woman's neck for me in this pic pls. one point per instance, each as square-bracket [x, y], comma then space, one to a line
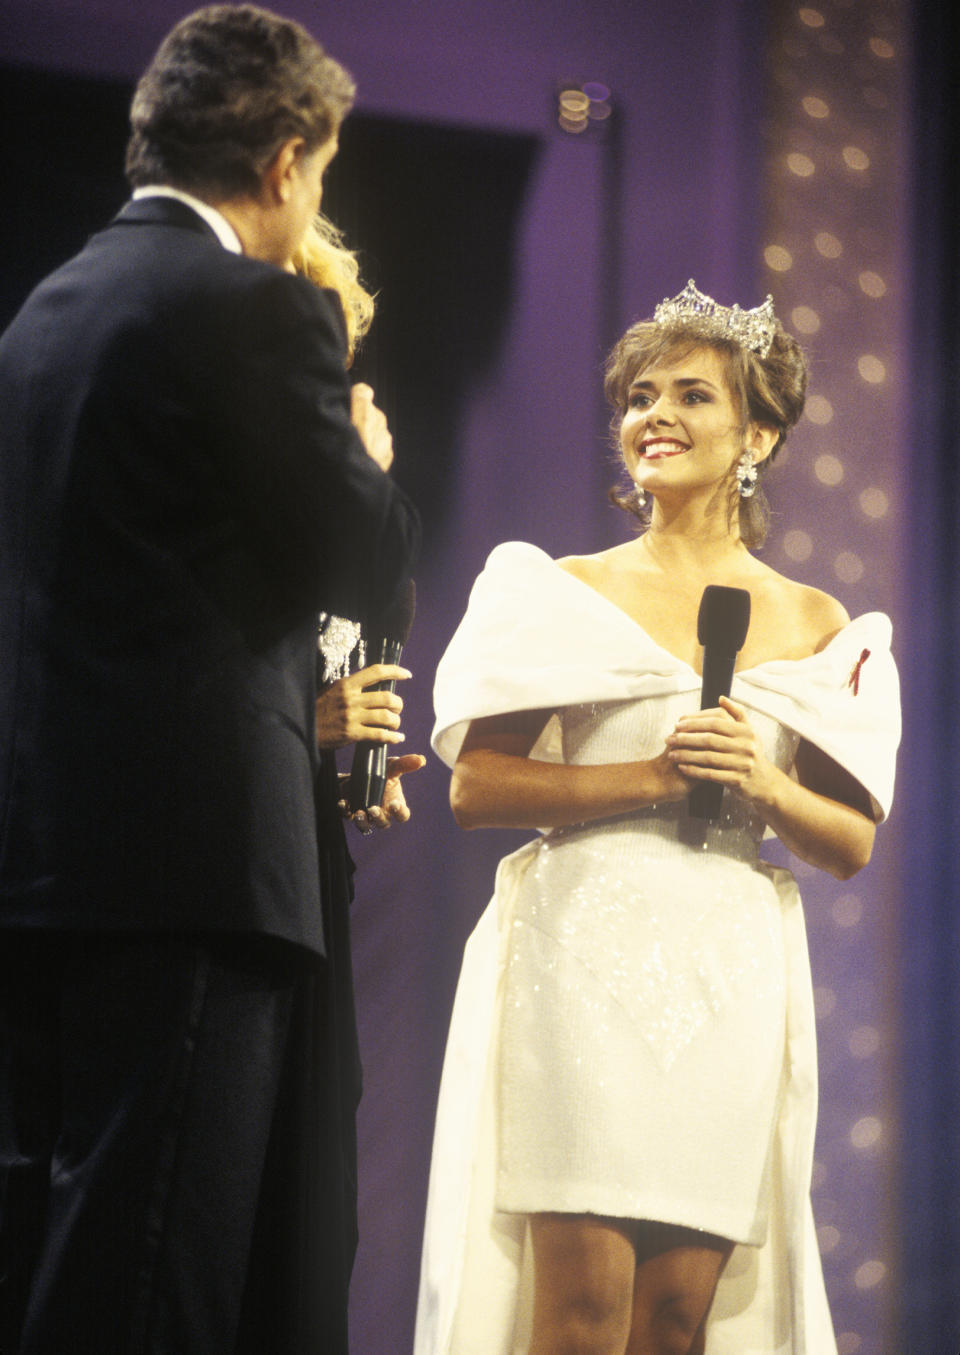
[701, 541]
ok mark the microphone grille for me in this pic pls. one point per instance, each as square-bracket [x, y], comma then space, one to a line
[724, 617]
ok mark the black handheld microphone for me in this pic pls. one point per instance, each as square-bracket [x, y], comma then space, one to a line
[388, 635]
[722, 624]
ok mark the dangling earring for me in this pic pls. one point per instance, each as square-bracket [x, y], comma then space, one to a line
[640, 498]
[746, 474]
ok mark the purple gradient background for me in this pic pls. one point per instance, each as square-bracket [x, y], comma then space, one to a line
[606, 229]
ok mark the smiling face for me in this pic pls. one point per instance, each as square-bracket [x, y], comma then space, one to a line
[682, 429]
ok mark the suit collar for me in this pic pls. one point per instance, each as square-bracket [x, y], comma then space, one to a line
[163, 211]
[221, 225]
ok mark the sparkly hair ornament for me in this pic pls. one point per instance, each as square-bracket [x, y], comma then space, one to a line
[751, 329]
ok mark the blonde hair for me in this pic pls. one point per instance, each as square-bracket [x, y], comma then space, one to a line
[326, 261]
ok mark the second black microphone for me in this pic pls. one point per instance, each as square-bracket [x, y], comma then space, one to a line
[384, 644]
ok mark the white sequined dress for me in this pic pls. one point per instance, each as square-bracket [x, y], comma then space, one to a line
[633, 1031]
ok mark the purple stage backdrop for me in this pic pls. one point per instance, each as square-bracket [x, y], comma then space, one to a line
[753, 147]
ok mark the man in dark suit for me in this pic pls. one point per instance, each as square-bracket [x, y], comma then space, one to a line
[185, 480]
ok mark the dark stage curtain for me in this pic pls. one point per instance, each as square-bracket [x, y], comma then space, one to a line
[930, 931]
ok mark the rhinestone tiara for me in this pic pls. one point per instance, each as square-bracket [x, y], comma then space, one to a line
[751, 329]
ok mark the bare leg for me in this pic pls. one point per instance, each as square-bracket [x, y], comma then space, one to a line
[677, 1270]
[584, 1280]
[607, 1286]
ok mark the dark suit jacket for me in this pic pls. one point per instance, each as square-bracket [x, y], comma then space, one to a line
[181, 490]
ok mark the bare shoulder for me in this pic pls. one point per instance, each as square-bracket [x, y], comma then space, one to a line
[589, 568]
[577, 565]
[818, 616]
[827, 615]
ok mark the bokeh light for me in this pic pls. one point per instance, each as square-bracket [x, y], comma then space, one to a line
[778, 258]
[811, 17]
[828, 469]
[871, 369]
[805, 319]
[800, 164]
[819, 410]
[856, 158]
[847, 910]
[870, 1274]
[827, 244]
[866, 1133]
[797, 545]
[872, 284]
[848, 567]
[874, 502]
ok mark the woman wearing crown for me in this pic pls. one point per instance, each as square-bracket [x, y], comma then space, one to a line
[625, 1130]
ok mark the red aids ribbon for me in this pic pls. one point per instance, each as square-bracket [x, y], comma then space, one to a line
[854, 679]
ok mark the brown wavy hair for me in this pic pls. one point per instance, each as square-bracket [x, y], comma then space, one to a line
[769, 390]
[226, 88]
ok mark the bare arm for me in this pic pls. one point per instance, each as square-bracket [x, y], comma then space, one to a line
[497, 785]
[824, 818]
[835, 828]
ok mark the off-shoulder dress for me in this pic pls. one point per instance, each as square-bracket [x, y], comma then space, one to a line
[633, 1033]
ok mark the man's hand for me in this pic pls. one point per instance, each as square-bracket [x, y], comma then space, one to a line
[346, 713]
